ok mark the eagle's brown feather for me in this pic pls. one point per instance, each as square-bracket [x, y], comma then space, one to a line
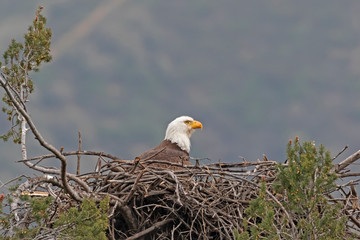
[166, 151]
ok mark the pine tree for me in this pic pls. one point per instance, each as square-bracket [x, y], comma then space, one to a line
[19, 60]
[21, 215]
[302, 187]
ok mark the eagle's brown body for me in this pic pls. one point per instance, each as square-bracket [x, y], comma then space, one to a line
[175, 147]
[168, 152]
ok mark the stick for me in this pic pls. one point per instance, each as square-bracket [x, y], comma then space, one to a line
[90, 153]
[133, 189]
[346, 147]
[78, 156]
[352, 158]
[156, 226]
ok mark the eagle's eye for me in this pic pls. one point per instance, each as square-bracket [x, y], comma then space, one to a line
[187, 122]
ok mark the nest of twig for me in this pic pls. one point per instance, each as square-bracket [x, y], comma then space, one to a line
[197, 202]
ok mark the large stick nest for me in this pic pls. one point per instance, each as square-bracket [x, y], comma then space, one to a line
[197, 202]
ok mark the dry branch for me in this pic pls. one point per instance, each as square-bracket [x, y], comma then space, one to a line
[352, 158]
[193, 203]
[40, 139]
[78, 156]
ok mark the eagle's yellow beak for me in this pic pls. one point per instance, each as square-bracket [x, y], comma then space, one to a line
[196, 124]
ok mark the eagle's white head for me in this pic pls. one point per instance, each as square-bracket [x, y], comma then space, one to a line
[179, 131]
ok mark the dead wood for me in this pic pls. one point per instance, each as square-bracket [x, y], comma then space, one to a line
[196, 202]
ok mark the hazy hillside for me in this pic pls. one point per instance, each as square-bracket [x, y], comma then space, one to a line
[255, 73]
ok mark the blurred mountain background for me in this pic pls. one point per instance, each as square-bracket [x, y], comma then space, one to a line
[255, 73]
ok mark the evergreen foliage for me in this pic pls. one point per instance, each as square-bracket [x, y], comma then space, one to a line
[88, 222]
[19, 60]
[304, 183]
[38, 217]
[301, 186]
[36, 212]
[260, 208]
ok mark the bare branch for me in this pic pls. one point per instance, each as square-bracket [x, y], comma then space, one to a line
[41, 140]
[344, 175]
[89, 153]
[78, 156]
[352, 158]
[343, 150]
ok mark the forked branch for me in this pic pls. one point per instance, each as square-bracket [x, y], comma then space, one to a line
[39, 138]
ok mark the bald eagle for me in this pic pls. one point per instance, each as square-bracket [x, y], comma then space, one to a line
[175, 147]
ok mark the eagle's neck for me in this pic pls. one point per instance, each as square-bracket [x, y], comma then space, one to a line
[182, 139]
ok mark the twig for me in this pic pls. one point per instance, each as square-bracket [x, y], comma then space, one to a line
[56, 171]
[343, 150]
[133, 189]
[78, 156]
[152, 156]
[90, 153]
[147, 231]
[12, 180]
[344, 175]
